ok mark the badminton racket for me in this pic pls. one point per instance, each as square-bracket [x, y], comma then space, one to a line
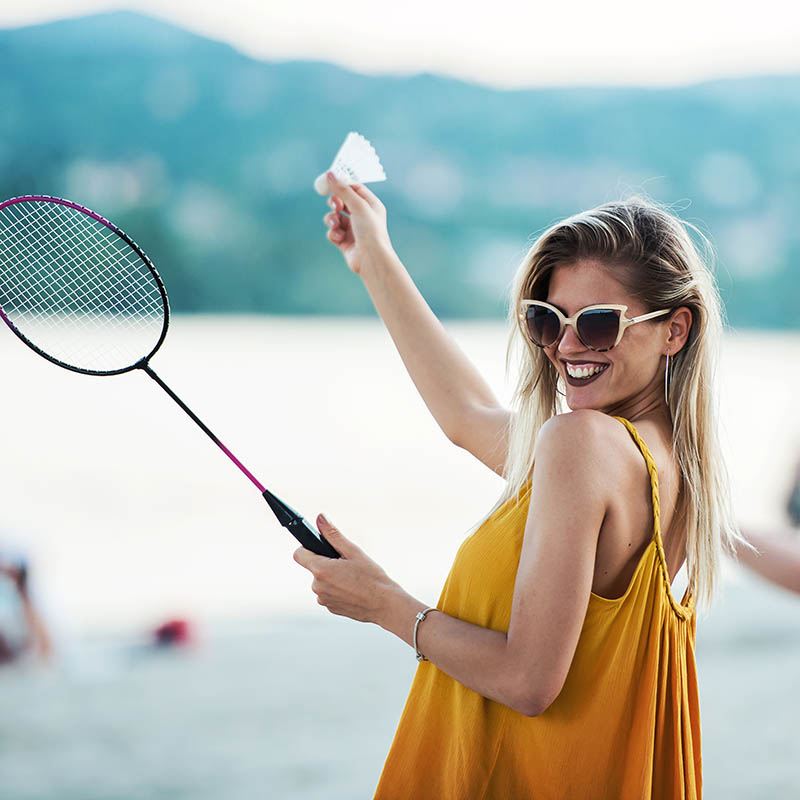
[82, 294]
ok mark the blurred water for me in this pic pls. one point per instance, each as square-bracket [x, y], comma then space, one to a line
[131, 515]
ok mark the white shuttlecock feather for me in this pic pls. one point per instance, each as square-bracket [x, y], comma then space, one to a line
[356, 162]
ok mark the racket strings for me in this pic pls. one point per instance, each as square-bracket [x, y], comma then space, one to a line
[75, 289]
[60, 292]
[90, 244]
[55, 299]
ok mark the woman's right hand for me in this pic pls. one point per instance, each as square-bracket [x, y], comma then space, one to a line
[357, 224]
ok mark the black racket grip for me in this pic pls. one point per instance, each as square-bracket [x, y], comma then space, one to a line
[307, 535]
[310, 538]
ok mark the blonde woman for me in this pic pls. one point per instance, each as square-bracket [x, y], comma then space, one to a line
[557, 662]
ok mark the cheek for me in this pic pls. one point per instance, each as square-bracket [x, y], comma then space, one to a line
[634, 365]
[640, 366]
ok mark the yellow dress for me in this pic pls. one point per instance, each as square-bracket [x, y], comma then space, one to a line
[626, 725]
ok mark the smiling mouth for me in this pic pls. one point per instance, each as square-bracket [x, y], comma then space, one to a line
[584, 370]
[581, 375]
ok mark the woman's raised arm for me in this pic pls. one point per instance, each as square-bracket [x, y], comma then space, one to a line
[461, 401]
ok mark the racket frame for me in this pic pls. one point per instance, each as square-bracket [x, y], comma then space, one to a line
[142, 362]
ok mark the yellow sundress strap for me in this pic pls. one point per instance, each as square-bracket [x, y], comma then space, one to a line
[683, 611]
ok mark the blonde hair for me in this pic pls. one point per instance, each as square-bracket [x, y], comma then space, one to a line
[660, 266]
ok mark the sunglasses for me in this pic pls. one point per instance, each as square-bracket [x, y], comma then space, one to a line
[599, 327]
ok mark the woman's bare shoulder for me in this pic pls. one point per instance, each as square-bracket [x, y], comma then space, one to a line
[593, 439]
[583, 425]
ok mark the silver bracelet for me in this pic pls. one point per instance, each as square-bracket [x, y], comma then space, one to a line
[420, 616]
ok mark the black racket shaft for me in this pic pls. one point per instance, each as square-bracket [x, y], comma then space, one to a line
[306, 534]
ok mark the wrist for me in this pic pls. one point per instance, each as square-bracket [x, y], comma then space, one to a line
[399, 612]
[378, 257]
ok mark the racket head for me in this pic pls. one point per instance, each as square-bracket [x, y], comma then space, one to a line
[77, 289]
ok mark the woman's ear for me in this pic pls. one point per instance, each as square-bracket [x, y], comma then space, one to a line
[679, 325]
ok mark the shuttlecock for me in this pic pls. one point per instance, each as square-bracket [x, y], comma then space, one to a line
[356, 162]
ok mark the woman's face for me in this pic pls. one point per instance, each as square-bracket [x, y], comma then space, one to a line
[632, 378]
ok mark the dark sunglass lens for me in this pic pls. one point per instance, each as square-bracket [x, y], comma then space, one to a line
[543, 325]
[598, 328]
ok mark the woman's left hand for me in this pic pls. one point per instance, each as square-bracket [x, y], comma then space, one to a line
[351, 586]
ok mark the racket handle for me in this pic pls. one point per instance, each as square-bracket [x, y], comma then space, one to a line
[311, 539]
[306, 534]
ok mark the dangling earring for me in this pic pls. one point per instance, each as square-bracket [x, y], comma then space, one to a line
[666, 382]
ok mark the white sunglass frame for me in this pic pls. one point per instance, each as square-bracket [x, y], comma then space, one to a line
[624, 322]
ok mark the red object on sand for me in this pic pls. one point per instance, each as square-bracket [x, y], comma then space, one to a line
[174, 632]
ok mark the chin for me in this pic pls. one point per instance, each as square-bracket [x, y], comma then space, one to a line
[581, 400]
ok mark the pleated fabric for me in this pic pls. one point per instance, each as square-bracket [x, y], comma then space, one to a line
[626, 723]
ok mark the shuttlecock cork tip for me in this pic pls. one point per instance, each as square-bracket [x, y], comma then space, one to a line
[321, 185]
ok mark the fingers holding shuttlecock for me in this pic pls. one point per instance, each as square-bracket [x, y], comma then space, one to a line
[356, 162]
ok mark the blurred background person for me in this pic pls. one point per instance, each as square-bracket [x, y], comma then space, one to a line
[777, 559]
[23, 631]
[778, 556]
[793, 499]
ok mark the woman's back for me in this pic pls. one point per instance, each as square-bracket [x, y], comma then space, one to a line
[625, 724]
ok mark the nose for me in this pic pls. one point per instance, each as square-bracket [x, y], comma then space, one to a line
[570, 343]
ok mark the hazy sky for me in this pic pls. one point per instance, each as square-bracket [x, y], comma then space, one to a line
[504, 42]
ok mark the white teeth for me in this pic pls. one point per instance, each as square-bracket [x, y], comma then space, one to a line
[584, 372]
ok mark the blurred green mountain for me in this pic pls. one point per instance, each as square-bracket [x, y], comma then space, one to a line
[207, 157]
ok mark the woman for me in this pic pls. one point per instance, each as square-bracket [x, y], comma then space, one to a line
[557, 662]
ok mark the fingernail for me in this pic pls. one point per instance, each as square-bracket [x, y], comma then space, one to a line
[322, 519]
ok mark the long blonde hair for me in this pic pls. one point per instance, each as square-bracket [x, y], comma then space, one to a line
[661, 266]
